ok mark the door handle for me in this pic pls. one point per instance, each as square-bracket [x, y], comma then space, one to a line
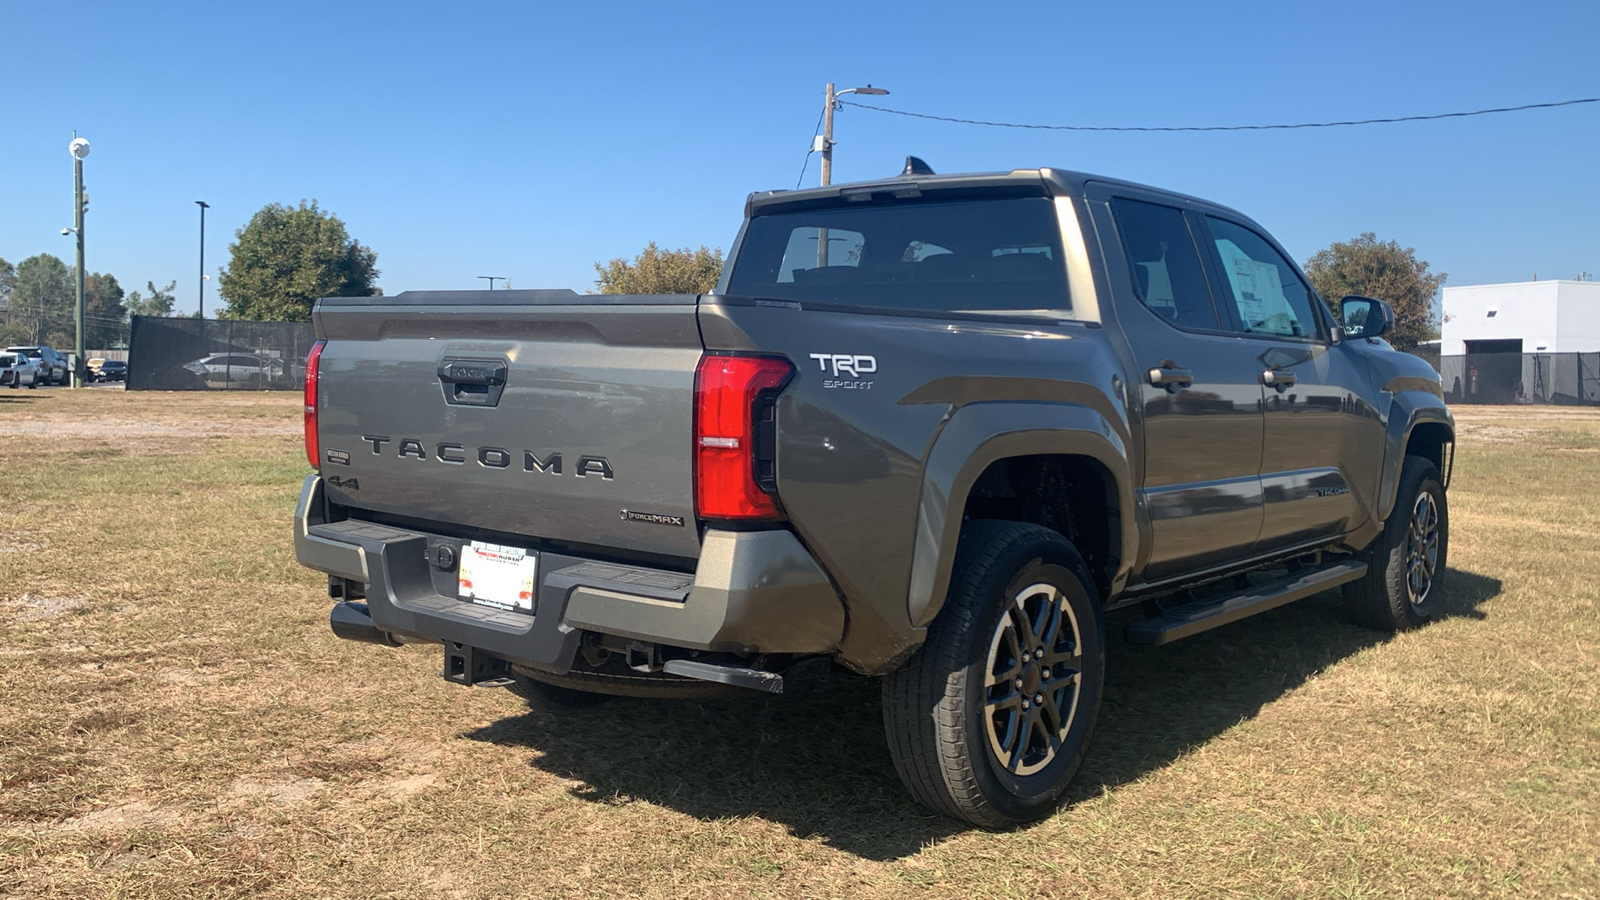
[1278, 378]
[472, 382]
[1171, 377]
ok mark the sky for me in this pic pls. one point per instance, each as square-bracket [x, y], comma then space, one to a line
[531, 140]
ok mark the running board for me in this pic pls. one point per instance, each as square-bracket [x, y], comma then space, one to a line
[738, 676]
[1193, 618]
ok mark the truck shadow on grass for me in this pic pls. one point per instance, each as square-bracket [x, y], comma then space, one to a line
[816, 761]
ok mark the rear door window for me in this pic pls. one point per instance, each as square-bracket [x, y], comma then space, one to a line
[989, 255]
[1165, 263]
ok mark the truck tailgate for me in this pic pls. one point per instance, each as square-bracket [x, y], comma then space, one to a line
[541, 414]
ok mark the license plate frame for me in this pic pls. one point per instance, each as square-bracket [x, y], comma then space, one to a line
[498, 576]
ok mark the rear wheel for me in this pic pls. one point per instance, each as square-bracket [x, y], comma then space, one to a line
[991, 719]
[1406, 563]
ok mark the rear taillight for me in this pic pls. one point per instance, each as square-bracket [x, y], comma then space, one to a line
[313, 361]
[733, 455]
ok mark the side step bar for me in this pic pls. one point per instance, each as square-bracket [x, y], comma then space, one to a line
[738, 676]
[1193, 618]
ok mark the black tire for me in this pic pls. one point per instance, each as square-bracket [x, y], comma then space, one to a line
[986, 753]
[1407, 560]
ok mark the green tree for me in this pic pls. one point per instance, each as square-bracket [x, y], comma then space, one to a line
[44, 298]
[8, 280]
[105, 318]
[159, 303]
[287, 258]
[657, 271]
[12, 331]
[1385, 270]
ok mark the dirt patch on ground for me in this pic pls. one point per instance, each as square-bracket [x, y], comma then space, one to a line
[127, 817]
[284, 792]
[34, 609]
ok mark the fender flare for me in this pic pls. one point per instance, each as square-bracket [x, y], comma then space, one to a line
[1407, 410]
[980, 434]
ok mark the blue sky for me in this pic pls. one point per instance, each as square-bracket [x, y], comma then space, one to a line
[530, 140]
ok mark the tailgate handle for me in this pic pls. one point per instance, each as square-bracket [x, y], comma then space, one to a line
[472, 382]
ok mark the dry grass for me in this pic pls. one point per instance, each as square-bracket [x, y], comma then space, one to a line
[177, 721]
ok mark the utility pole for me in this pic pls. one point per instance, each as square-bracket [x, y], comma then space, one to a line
[830, 100]
[824, 146]
[79, 149]
[203, 207]
[492, 279]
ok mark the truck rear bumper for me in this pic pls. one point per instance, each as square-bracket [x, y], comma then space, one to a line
[756, 591]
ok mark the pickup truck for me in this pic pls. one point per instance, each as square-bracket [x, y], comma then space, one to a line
[931, 428]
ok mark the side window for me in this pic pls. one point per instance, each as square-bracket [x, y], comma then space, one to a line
[1271, 298]
[1165, 263]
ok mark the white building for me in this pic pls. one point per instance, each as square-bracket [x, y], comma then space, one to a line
[1533, 342]
[1528, 317]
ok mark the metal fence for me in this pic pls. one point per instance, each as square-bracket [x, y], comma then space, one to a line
[1569, 379]
[168, 354]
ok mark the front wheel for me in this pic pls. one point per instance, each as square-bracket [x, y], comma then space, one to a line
[1407, 561]
[991, 719]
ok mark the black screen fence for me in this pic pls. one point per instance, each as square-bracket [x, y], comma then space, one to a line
[1566, 379]
[166, 354]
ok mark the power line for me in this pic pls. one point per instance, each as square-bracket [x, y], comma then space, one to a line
[1449, 115]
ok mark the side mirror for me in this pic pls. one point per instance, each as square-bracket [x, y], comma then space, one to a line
[1366, 317]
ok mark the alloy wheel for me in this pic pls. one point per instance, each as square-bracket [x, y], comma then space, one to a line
[1033, 679]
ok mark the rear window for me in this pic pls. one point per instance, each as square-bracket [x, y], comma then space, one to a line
[979, 256]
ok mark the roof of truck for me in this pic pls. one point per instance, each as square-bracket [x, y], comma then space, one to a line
[1044, 180]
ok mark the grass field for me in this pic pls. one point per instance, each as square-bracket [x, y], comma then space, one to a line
[176, 719]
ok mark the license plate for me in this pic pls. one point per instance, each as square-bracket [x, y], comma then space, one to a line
[497, 576]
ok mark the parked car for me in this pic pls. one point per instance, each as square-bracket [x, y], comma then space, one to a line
[18, 369]
[236, 368]
[107, 369]
[56, 369]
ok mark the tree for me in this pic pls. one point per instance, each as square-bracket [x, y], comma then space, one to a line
[12, 331]
[8, 280]
[159, 303]
[287, 258]
[1385, 270]
[105, 318]
[657, 271]
[43, 300]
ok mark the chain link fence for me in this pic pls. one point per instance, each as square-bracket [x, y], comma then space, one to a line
[1567, 379]
[168, 354]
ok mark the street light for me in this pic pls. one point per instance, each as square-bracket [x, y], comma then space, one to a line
[825, 145]
[203, 279]
[492, 279]
[830, 103]
[79, 148]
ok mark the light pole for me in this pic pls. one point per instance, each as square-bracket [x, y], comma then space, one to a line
[492, 279]
[830, 104]
[203, 207]
[825, 146]
[79, 149]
